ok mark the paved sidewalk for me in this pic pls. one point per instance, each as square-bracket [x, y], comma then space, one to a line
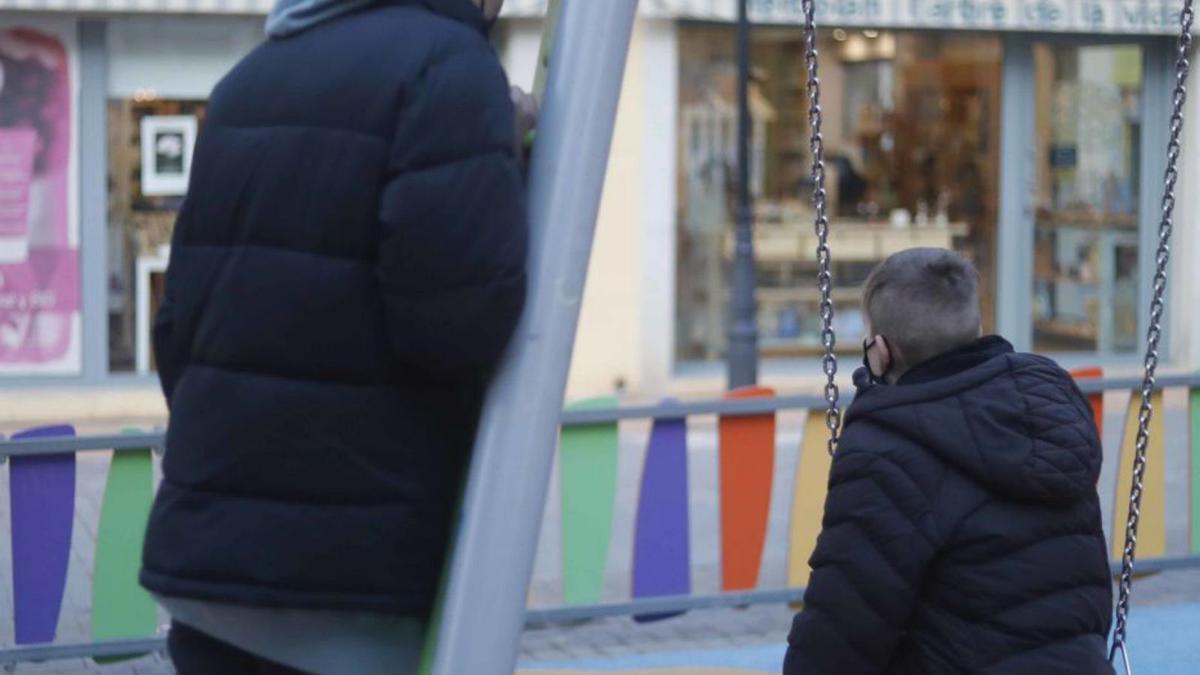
[1169, 603]
[761, 625]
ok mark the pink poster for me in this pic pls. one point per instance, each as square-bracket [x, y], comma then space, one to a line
[39, 253]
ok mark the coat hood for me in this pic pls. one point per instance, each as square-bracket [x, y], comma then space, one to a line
[1015, 423]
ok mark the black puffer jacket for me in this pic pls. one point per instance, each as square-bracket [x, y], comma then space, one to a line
[962, 529]
[346, 271]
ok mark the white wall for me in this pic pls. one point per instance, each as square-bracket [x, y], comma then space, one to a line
[1185, 264]
[660, 196]
[608, 345]
[523, 40]
[627, 320]
[174, 57]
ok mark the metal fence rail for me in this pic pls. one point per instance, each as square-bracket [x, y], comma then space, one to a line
[55, 446]
[569, 418]
[11, 656]
[683, 603]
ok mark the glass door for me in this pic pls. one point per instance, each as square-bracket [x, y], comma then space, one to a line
[1086, 250]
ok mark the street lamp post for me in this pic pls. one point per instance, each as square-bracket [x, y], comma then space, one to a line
[743, 331]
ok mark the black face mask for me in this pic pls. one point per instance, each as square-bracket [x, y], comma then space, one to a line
[880, 378]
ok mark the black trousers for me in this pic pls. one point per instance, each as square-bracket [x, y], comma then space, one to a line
[196, 653]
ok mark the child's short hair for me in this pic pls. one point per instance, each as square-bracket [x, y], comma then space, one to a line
[924, 301]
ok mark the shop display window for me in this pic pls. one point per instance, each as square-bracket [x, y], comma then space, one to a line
[149, 153]
[912, 153]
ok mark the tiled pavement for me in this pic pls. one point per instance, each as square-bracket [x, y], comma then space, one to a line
[767, 624]
[704, 631]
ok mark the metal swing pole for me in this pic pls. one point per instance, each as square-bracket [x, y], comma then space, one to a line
[484, 606]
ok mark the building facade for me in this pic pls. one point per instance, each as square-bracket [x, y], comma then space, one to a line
[1028, 134]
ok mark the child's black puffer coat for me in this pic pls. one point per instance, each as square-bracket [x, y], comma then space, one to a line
[962, 530]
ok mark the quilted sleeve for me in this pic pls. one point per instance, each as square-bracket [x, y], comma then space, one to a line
[453, 237]
[866, 568]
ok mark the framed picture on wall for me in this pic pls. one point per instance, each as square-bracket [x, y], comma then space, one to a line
[167, 143]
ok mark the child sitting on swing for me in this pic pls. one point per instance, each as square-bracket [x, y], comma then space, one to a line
[962, 527]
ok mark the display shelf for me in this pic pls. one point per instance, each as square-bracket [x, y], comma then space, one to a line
[782, 295]
[1085, 219]
[804, 347]
[851, 241]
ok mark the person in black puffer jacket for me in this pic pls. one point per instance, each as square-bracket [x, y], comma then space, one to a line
[346, 271]
[962, 529]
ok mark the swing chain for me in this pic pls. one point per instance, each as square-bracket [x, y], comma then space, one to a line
[1154, 334]
[829, 364]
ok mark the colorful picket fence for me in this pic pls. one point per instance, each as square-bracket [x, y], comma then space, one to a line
[42, 506]
[42, 515]
[746, 462]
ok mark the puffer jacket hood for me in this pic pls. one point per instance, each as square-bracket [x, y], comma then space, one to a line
[1033, 438]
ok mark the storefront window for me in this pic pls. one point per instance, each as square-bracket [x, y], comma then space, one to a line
[161, 73]
[912, 138]
[1086, 241]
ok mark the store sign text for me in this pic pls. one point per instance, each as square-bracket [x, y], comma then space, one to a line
[1143, 17]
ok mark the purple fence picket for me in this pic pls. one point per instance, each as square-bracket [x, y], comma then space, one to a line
[661, 564]
[42, 499]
